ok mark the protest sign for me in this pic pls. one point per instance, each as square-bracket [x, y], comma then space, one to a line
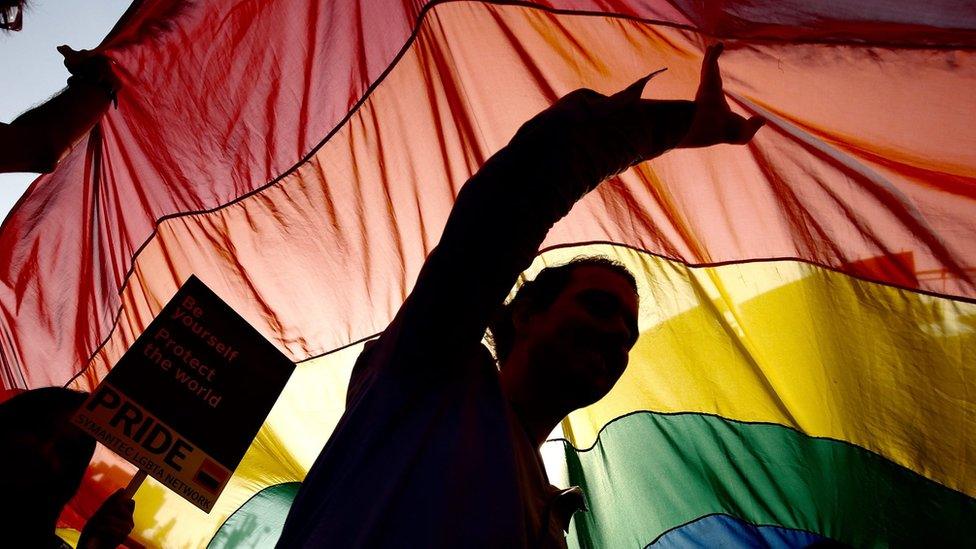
[185, 401]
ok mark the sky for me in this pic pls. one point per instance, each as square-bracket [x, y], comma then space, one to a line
[31, 68]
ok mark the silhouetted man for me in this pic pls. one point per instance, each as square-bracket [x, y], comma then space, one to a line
[440, 448]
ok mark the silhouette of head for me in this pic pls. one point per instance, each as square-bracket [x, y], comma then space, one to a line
[45, 455]
[576, 323]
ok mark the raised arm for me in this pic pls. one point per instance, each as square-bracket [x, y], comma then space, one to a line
[502, 214]
[40, 137]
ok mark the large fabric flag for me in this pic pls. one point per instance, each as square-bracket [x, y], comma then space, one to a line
[808, 324]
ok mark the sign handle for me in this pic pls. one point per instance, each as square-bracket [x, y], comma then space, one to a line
[134, 484]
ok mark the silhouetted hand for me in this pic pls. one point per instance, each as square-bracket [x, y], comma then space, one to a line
[714, 122]
[595, 136]
[110, 525]
[90, 67]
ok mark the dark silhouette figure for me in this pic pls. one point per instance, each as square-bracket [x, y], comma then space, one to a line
[438, 446]
[44, 458]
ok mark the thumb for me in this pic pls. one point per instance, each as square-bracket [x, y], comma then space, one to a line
[633, 92]
[116, 499]
[69, 53]
[72, 58]
[748, 129]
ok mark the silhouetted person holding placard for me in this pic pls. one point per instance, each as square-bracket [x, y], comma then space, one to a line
[44, 458]
[438, 447]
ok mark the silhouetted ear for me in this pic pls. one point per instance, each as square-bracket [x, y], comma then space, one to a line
[521, 315]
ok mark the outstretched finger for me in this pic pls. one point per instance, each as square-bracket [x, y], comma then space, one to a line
[711, 76]
[633, 92]
[70, 56]
[77, 61]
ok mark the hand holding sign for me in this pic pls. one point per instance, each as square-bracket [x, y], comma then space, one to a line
[186, 400]
[110, 525]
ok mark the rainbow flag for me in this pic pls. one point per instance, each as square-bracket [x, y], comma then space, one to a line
[805, 368]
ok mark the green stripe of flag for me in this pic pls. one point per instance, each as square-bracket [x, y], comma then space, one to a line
[649, 473]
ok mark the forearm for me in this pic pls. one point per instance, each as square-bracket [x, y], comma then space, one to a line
[508, 207]
[503, 213]
[46, 132]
